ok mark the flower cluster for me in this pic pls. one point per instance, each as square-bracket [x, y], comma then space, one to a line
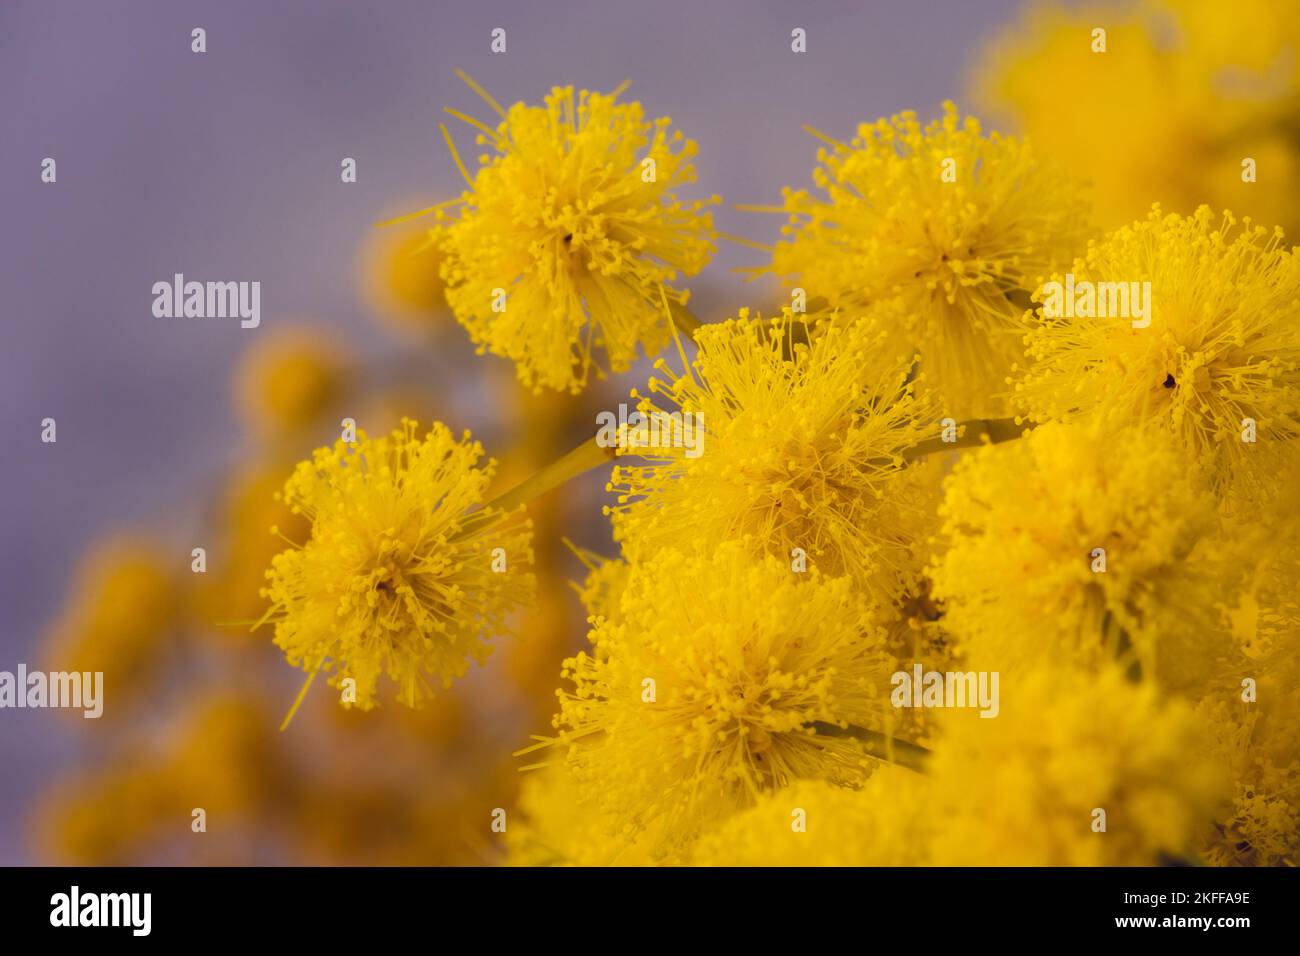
[1111, 556]
[1165, 104]
[1116, 553]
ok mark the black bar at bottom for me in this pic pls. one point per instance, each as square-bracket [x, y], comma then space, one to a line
[303, 906]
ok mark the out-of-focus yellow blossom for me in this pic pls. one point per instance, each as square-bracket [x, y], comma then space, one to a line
[802, 447]
[1184, 92]
[227, 595]
[950, 262]
[886, 823]
[101, 818]
[1023, 789]
[916, 632]
[227, 755]
[1223, 344]
[400, 787]
[287, 379]
[381, 413]
[220, 759]
[428, 822]
[569, 231]
[401, 275]
[702, 700]
[125, 600]
[1022, 577]
[394, 786]
[402, 573]
[558, 826]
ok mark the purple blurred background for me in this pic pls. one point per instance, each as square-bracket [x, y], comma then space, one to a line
[225, 166]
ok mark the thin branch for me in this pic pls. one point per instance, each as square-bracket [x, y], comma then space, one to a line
[878, 745]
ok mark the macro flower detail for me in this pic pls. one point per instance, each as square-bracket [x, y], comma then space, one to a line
[739, 674]
[405, 572]
[1222, 346]
[1081, 546]
[946, 260]
[1221, 351]
[885, 823]
[1261, 825]
[804, 448]
[569, 231]
[1024, 790]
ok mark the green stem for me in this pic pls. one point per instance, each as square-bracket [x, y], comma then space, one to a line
[591, 455]
[881, 746]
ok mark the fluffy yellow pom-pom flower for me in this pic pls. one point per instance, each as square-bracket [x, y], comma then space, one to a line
[803, 448]
[1026, 788]
[125, 600]
[568, 233]
[288, 379]
[1185, 90]
[942, 244]
[1076, 545]
[404, 572]
[814, 823]
[1219, 363]
[699, 703]
[556, 825]
[401, 276]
